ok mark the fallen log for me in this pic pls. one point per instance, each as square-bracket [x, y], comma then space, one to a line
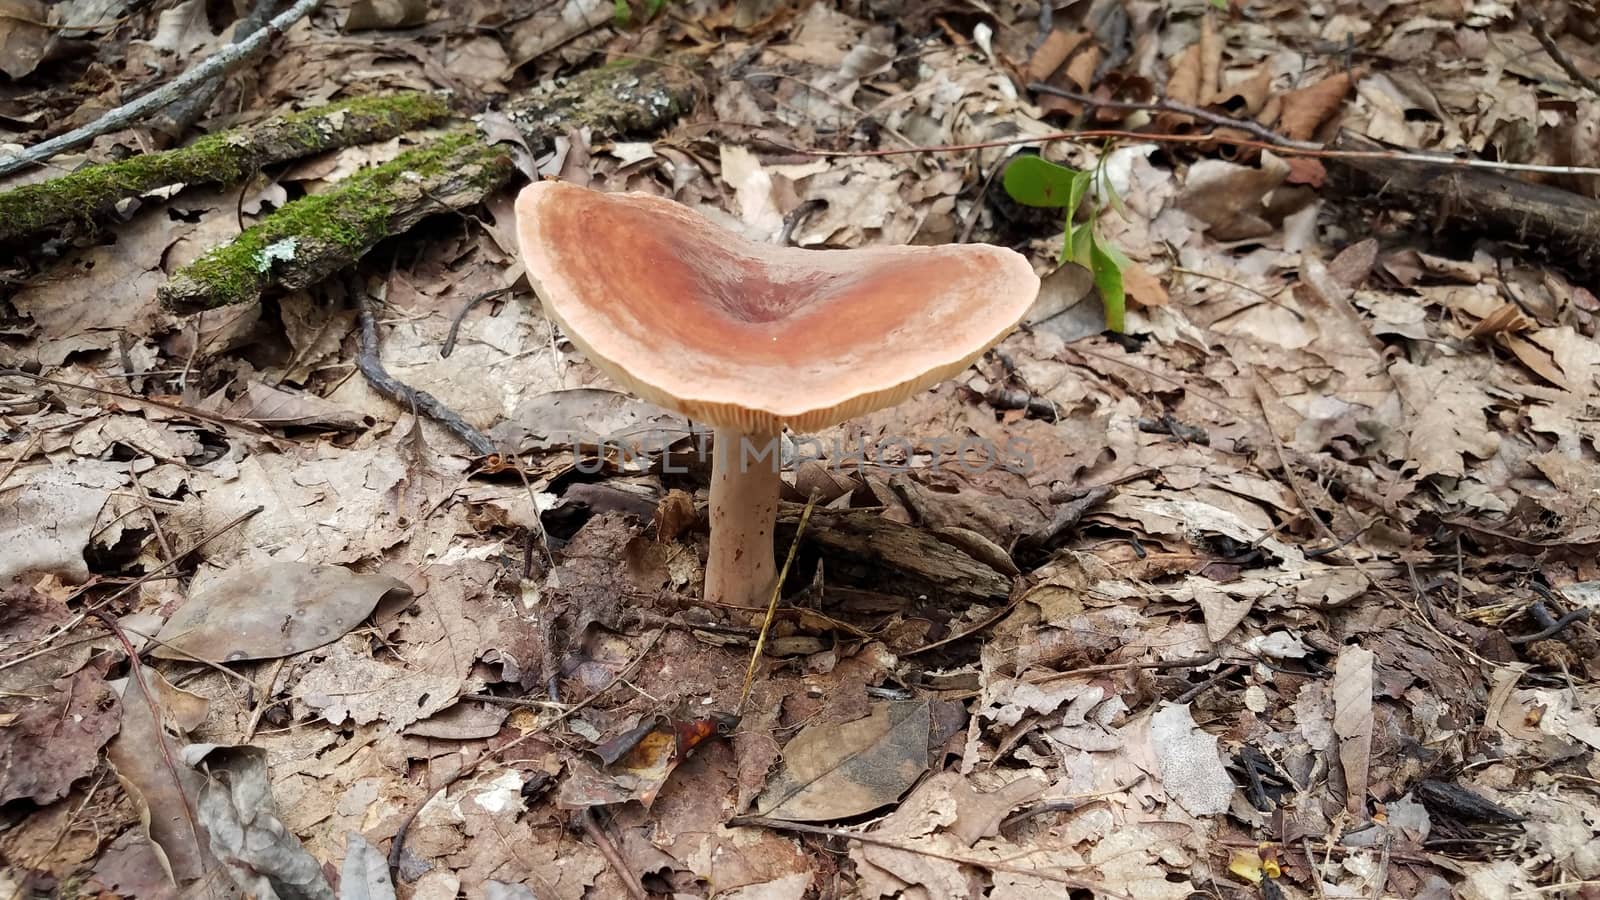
[227, 157]
[315, 236]
[865, 549]
[1562, 225]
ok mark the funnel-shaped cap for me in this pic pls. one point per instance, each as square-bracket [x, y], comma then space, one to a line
[753, 337]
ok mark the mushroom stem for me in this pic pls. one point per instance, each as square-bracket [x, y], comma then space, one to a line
[744, 514]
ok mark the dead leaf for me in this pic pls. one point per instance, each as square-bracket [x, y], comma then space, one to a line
[365, 14]
[276, 407]
[23, 37]
[1446, 402]
[279, 609]
[241, 823]
[55, 740]
[1191, 766]
[147, 761]
[365, 873]
[45, 523]
[838, 770]
[1306, 109]
[1352, 722]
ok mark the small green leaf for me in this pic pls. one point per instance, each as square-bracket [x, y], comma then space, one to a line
[1032, 181]
[1106, 264]
[1080, 238]
[655, 7]
[621, 12]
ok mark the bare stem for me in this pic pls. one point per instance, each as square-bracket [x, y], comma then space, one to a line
[744, 513]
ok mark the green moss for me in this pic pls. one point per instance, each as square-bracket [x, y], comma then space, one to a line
[344, 221]
[227, 157]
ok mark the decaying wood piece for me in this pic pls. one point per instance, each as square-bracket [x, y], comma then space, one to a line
[227, 157]
[1561, 224]
[861, 543]
[313, 237]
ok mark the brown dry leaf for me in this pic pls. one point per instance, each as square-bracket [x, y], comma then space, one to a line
[838, 770]
[1445, 401]
[1233, 199]
[23, 37]
[1054, 52]
[54, 740]
[349, 684]
[276, 407]
[1305, 110]
[278, 609]
[1184, 85]
[148, 762]
[1144, 289]
[1352, 722]
[365, 14]
[554, 26]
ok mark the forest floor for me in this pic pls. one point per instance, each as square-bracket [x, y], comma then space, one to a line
[1284, 591]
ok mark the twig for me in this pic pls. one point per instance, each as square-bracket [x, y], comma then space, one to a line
[608, 849]
[876, 840]
[398, 846]
[772, 604]
[1165, 138]
[1554, 628]
[1173, 106]
[999, 614]
[1189, 663]
[178, 117]
[1206, 685]
[1536, 24]
[220, 62]
[449, 345]
[1066, 518]
[417, 401]
[191, 412]
[264, 698]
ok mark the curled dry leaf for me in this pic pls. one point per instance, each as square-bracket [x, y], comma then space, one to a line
[365, 874]
[241, 823]
[147, 761]
[274, 610]
[1306, 109]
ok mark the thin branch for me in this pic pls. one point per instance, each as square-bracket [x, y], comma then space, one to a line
[215, 65]
[608, 849]
[1454, 162]
[1173, 106]
[420, 402]
[1536, 24]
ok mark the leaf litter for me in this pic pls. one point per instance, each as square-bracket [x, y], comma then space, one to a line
[1289, 599]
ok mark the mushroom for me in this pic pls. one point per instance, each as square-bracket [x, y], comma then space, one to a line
[750, 338]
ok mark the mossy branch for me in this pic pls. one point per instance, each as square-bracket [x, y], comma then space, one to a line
[224, 158]
[315, 236]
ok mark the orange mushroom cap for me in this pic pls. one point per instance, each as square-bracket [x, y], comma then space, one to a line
[755, 337]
